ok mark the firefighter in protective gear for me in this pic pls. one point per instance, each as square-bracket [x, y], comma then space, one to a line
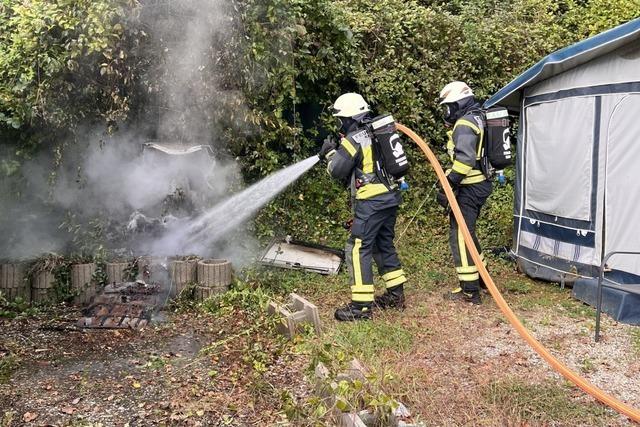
[375, 202]
[462, 113]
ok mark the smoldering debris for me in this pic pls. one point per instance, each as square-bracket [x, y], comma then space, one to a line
[115, 189]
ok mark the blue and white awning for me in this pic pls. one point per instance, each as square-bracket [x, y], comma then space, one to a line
[565, 59]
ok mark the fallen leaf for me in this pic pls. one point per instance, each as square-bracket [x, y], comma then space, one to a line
[29, 416]
[199, 412]
[76, 401]
[136, 384]
[69, 410]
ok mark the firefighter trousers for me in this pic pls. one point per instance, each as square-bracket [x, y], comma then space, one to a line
[471, 198]
[371, 240]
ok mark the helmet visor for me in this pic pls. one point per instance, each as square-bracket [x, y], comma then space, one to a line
[448, 112]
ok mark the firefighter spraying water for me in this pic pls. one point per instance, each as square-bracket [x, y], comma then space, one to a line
[370, 161]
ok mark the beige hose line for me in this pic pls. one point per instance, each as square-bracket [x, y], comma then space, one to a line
[570, 375]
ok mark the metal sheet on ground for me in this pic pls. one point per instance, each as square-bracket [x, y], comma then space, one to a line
[293, 254]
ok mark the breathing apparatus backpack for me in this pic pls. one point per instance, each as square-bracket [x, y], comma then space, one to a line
[496, 149]
[387, 146]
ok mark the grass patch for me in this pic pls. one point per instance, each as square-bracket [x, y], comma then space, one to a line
[523, 403]
[517, 287]
[540, 295]
[577, 310]
[369, 338]
[533, 301]
[8, 364]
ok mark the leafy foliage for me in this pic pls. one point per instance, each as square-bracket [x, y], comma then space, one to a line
[64, 64]
[61, 61]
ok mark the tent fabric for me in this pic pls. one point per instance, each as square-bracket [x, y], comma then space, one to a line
[570, 252]
[576, 190]
[559, 162]
[609, 70]
[565, 59]
[621, 221]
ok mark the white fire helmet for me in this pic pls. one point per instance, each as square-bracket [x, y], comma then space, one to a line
[350, 105]
[454, 91]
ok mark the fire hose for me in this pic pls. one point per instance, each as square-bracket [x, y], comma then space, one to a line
[557, 365]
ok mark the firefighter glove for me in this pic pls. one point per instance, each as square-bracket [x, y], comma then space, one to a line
[328, 146]
[441, 198]
[455, 179]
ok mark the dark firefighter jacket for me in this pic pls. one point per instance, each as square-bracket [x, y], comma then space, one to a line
[354, 164]
[464, 148]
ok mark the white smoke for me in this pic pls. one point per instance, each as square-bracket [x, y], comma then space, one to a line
[112, 177]
[199, 234]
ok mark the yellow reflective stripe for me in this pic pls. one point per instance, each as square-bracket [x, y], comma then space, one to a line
[463, 122]
[362, 293]
[367, 159]
[460, 167]
[393, 274]
[451, 147]
[462, 249]
[355, 257]
[469, 269]
[480, 144]
[473, 179]
[348, 146]
[364, 297]
[468, 277]
[395, 282]
[371, 190]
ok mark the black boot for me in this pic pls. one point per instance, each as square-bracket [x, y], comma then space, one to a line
[354, 311]
[392, 298]
[467, 296]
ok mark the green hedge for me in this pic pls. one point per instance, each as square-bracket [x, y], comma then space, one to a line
[65, 63]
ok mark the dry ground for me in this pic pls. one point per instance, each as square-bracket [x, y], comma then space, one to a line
[450, 363]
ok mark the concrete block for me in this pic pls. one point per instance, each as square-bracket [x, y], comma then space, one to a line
[116, 272]
[321, 371]
[368, 418]
[183, 273]
[82, 283]
[214, 273]
[401, 416]
[297, 312]
[42, 287]
[351, 420]
[357, 371]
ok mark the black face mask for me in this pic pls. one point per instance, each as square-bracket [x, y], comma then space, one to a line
[346, 124]
[450, 113]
